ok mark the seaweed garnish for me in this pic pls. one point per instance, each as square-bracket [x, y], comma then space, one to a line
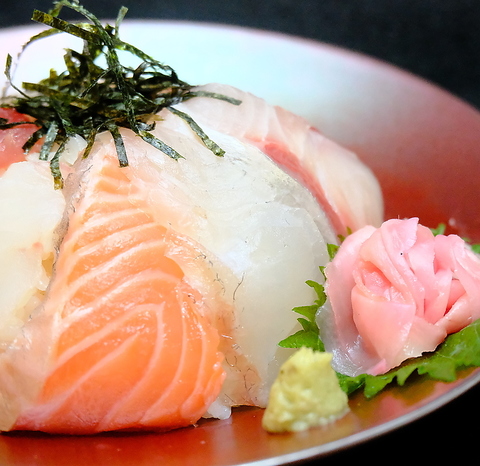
[87, 98]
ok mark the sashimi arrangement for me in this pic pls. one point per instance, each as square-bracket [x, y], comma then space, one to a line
[155, 237]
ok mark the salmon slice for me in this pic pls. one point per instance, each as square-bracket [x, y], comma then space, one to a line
[121, 341]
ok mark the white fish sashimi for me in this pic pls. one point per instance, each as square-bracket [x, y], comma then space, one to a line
[345, 187]
[261, 232]
[30, 211]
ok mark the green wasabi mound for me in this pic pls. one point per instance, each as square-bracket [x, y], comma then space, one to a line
[305, 394]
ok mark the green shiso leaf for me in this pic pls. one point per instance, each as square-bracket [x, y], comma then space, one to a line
[440, 230]
[332, 250]
[309, 336]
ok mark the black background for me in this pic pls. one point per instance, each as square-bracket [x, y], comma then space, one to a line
[438, 40]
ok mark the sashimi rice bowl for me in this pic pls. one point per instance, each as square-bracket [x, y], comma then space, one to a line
[171, 252]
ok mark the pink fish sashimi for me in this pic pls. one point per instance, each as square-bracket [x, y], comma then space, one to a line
[345, 188]
[12, 140]
[395, 293]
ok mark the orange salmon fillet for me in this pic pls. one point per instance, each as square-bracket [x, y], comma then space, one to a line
[134, 348]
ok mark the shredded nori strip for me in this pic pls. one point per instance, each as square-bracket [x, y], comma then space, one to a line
[87, 99]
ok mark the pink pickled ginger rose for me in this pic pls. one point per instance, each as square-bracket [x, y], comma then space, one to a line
[395, 292]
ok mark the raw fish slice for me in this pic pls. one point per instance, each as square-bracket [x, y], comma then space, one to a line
[259, 223]
[262, 233]
[397, 292]
[121, 341]
[12, 140]
[345, 188]
[30, 210]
